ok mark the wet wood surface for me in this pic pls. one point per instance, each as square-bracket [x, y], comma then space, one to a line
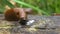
[13, 27]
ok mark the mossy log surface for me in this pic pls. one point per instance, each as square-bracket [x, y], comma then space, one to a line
[13, 27]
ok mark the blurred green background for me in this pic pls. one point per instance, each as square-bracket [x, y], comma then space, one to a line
[41, 7]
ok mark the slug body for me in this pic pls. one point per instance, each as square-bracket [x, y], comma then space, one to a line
[15, 14]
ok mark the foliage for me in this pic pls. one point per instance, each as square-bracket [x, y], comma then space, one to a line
[3, 3]
[46, 7]
[57, 6]
[31, 6]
